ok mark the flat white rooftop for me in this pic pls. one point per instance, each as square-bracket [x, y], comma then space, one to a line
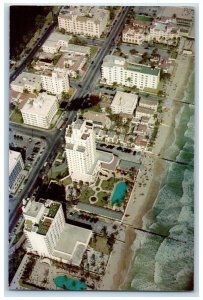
[39, 106]
[127, 100]
[27, 78]
[34, 209]
[55, 37]
[70, 236]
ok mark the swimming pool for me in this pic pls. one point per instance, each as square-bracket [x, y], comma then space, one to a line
[119, 193]
[70, 284]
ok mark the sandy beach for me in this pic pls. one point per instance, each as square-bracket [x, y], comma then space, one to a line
[148, 182]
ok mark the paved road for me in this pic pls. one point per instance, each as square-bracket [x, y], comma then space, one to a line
[32, 53]
[94, 69]
[55, 137]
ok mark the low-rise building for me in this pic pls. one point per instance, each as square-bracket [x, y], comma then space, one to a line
[148, 103]
[40, 111]
[55, 82]
[55, 41]
[85, 20]
[49, 235]
[16, 165]
[26, 82]
[71, 63]
[111, 137]
[124, 103]
[140, 142]
[76, 50]
[163, 32]
[141, 129]
[144, 112]
[98, 119]
[118, 70]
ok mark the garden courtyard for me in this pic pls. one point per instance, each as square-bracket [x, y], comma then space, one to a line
[102, 192]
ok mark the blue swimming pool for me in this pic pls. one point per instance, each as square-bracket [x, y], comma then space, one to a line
[70, 284]
[119, 193]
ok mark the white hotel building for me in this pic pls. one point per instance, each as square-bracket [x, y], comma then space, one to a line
[84, 161]
[87, 20]
[48, 235]
[80, 150]
[120, 71]
[55, 82]
[40, 111]
[26, 81]
[124, 103]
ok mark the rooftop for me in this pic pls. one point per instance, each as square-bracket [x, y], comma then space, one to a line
[75, 48]
[44, 226]
[124, 99]
[56, 37]
[113, 60]
[146, 101]
[26, 78]
[72, 62]
[53, 209]
[97, 117]
[84, 13]
[34, 209]
[40, 105]
[145, 110]
[70, 236]
[143, 69]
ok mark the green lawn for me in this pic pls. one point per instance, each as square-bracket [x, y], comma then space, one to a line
[101, 196]
[16, 116]
[100, 245]
[86, 194]
[61, 174]
[93, 51]
[144, 18]
[67, 181]
[108, 184]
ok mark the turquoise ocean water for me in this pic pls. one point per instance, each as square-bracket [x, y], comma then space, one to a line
[164, 260]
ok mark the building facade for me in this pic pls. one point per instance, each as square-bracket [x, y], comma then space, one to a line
[48, 235]
[55, 82]
[81, 150]
[117, 70]
[40, 111]
[85, 20]
[16, 165]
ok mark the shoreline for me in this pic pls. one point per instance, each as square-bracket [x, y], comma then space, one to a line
[146, 192]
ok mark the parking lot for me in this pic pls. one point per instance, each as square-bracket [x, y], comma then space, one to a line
[31, 147]
[121, 152]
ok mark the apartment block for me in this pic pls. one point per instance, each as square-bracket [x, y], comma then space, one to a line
[118, 70]
[85, 20]
[49, 235]
[55, 82]
[40, 111]
[124, 103]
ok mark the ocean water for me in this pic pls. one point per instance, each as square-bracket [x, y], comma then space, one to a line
[164, 256]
